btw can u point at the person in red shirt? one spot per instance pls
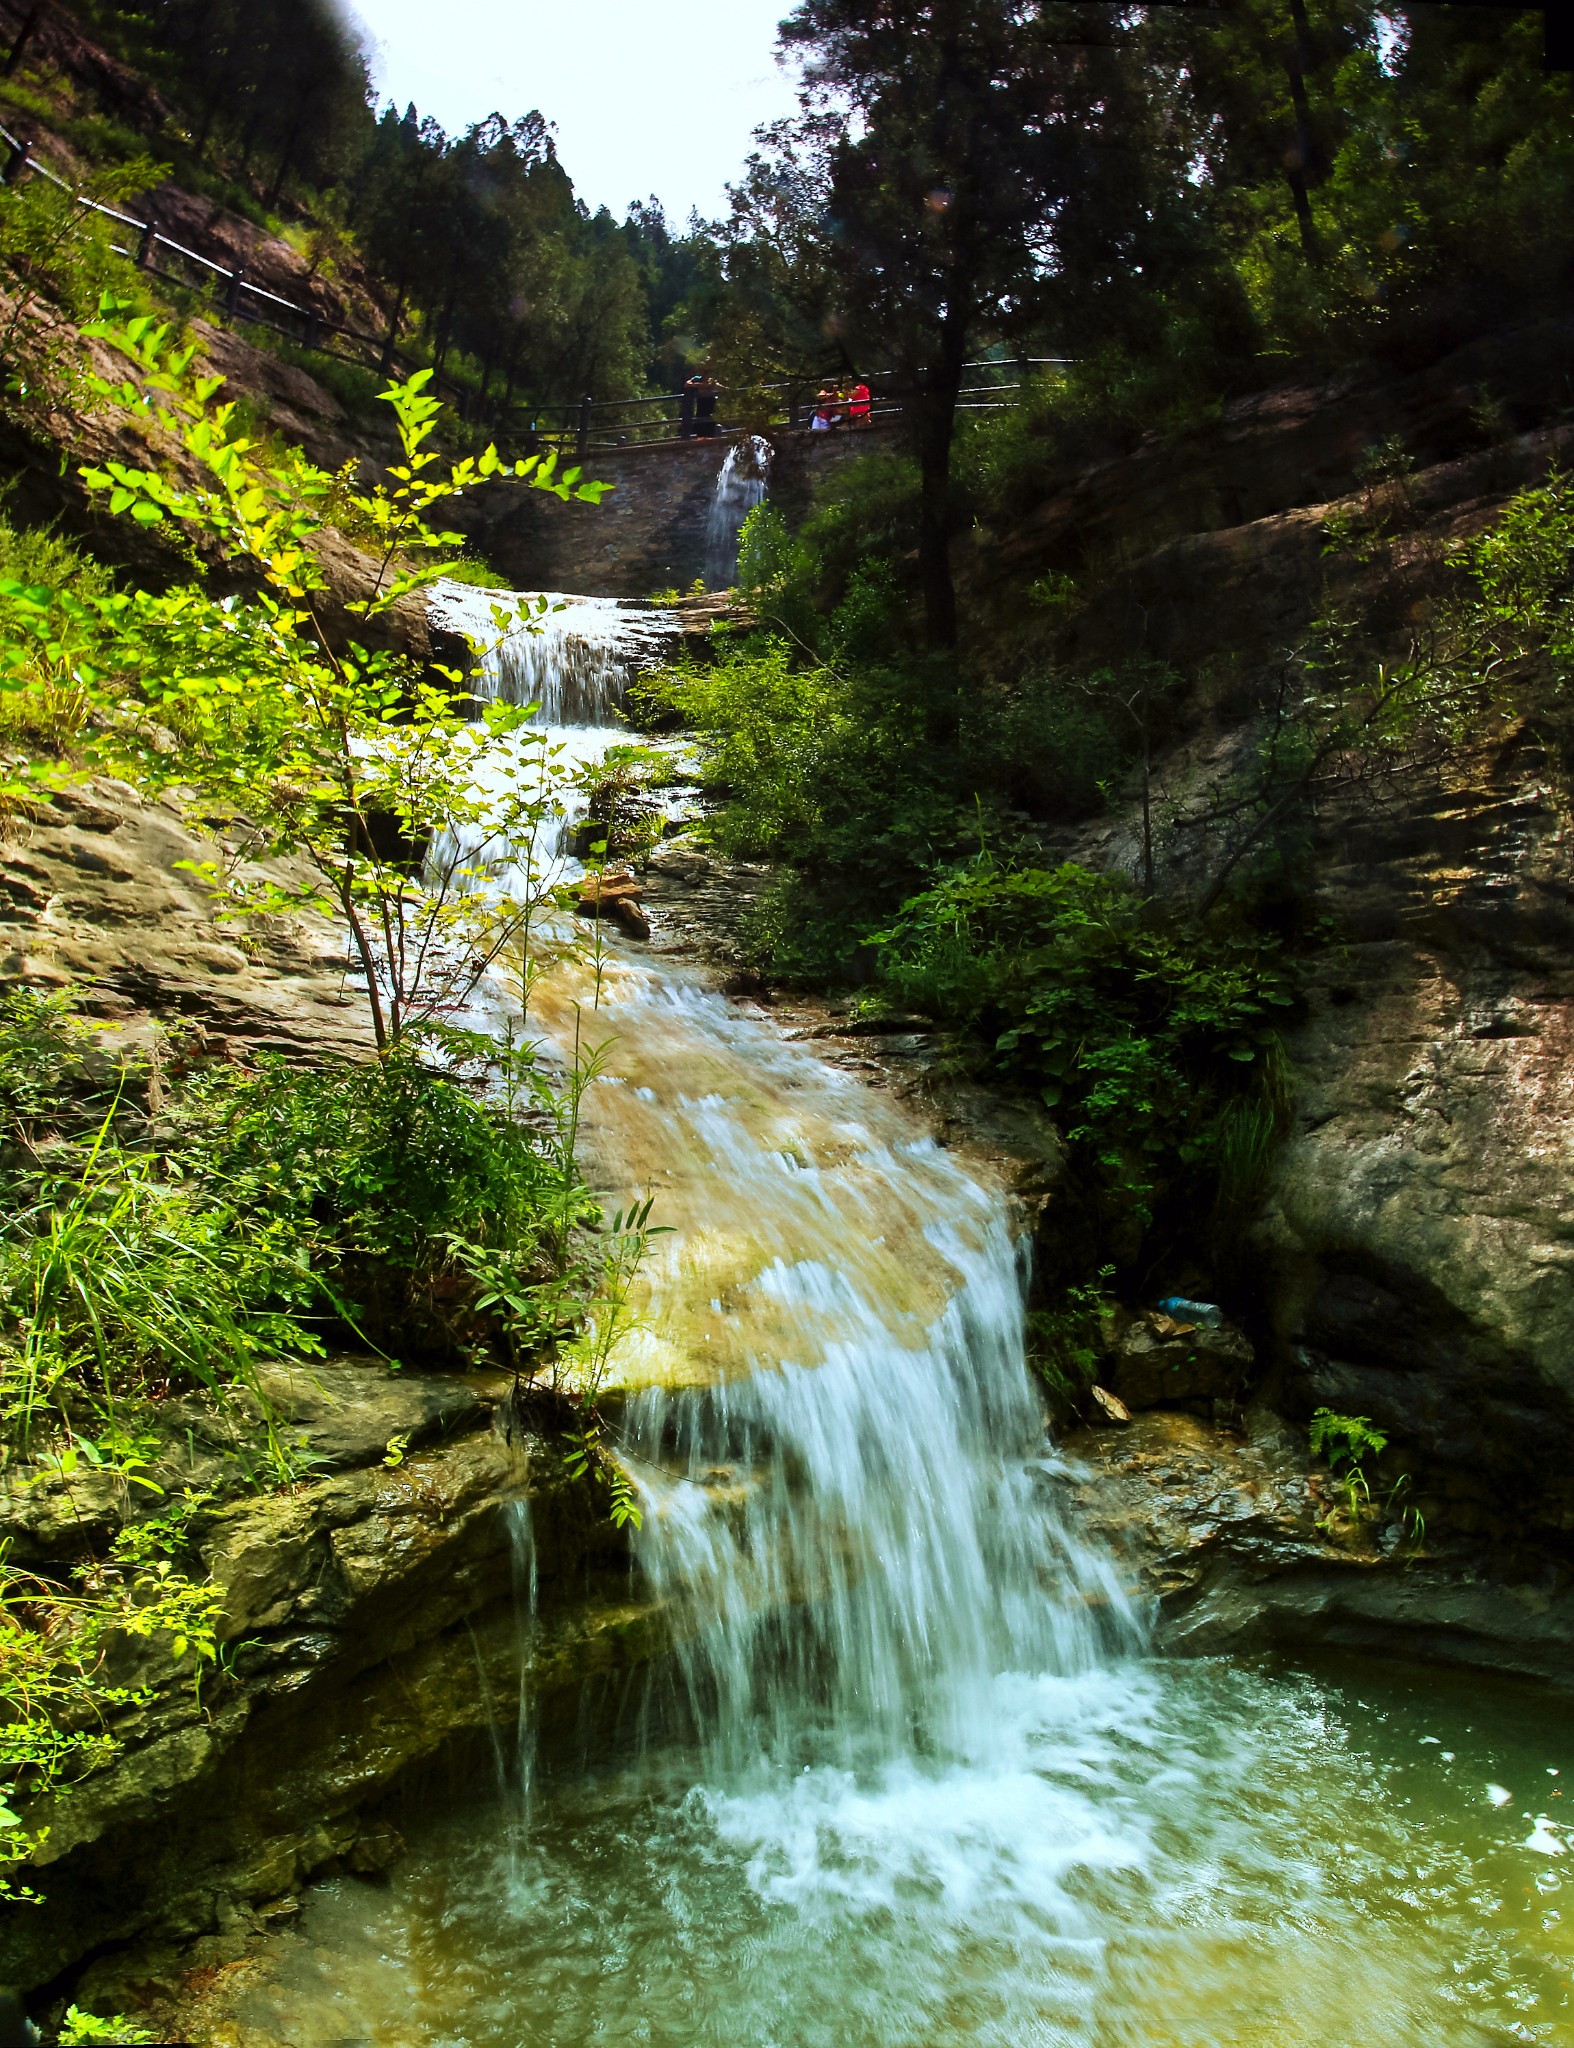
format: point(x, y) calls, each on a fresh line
point(858, 404)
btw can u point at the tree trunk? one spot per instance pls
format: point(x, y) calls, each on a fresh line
point(286, 157)
point(24, 36)
point(1300, 162)
point(936, 429)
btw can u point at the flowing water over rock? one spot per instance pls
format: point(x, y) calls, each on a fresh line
point(909, 1782)
point(740, 486)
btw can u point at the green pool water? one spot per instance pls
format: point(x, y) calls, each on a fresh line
point(1176, 1855)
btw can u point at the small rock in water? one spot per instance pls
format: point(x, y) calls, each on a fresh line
point(1499, 1795)
point(1543, 1838)
point(1110, 1406)
point(616, 898)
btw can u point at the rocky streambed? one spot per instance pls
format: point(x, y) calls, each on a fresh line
point(371, 1625)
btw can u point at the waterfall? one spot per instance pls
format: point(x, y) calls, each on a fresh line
point(571, 655)
point(902, 1780)
point(861, 1532)
point(825, 1402)
point(740, 486)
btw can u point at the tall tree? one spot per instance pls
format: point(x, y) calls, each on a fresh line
point(957, 145)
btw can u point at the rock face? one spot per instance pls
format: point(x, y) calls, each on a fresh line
point(370, 1621)
point(1209, 541)
point(1157, 1362)
point(650, 532)
point(370, 1617)
point(1240, 1544)
point(93, 891)
point(1420, 1237)
point(1415, 1262)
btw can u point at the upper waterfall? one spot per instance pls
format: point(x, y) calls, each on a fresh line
point(740, 486)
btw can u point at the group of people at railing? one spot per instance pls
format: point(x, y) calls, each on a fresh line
point(835, 406)
point(840, 405)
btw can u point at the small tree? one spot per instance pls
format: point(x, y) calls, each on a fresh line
point(356, 769)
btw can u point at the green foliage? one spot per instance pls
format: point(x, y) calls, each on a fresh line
point(55, 251)
point(1136, 1031)
point(770, 726)
point(1520, 579)
point(57, 1708)
point(479, 575)
point(765, 553)
point(435, 1217)
point(1052, 744)
point(118, 1285)
point(345, 762)
point(44, 1053)
point(1065, 1341)
point(587, 1457)
point(83, 2028)
point(1347, 1441)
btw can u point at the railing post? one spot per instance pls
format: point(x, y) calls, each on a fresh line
point(582, 442)
point(313, 328)
point(145, 244)
point(16, 162)
point(792, 406)
point(232, 290)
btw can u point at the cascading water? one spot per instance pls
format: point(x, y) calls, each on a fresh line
point(908, 1782)
point(572, 656)
point(740, 486)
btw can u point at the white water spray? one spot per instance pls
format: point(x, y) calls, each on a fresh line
point(740, 486)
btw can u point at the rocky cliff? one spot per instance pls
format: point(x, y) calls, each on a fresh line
point(1413, 1261)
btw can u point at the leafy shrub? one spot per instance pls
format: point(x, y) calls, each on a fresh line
point(1050, 746)
point(56, 1727)
point(45, 1050)
point(1347, 1441)
point(80, 2029)
point(770, 727)
point(1064, 1342)
point(1138, 1032)
point(392, 1177)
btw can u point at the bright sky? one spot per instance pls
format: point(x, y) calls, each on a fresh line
point(646, 97)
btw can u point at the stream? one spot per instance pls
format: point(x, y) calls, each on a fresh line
point(912, 1779)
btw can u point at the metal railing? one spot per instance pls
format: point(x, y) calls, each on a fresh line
point(604, 425)
point(161, 256)
point(590, 426)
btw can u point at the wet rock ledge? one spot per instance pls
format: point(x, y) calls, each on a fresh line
point(1241, 1543)
point(369, 1621)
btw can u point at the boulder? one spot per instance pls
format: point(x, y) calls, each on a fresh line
point(615, 897)
point(1159, 1363)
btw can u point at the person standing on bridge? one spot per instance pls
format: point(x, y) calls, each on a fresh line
point(686, 402)
point(858, 405)
point(705, 420)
